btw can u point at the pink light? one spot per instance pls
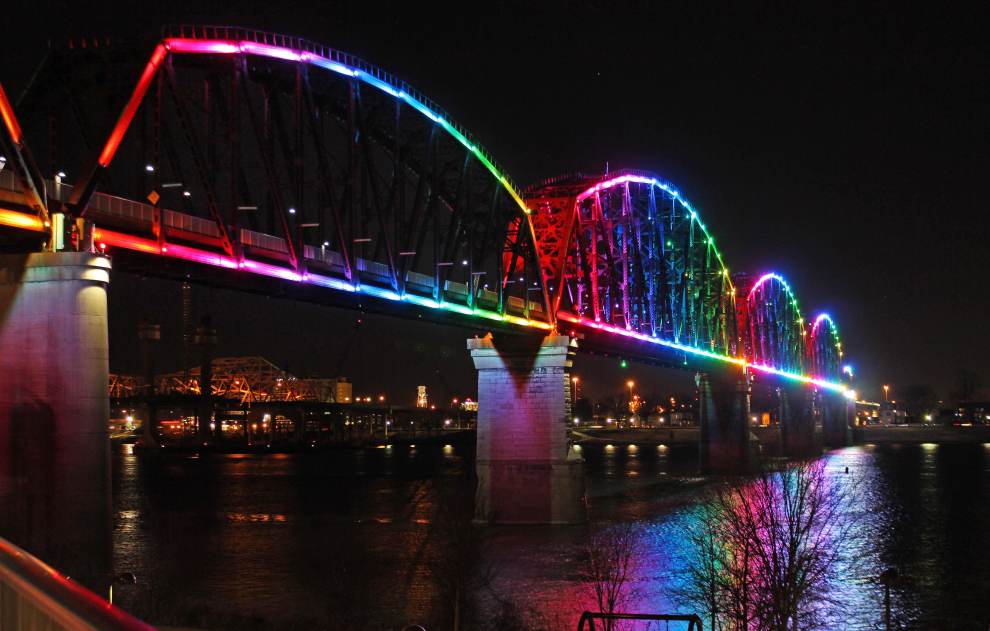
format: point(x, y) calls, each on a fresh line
point(819, 319)
point(180, 45)
point(622, 179)
point(770, 276)
point(126, 116)
point(277, 52)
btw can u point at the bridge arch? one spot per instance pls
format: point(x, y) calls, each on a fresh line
point(771, 325)
point(824, 349)
point(627, 250)
point(351, 170)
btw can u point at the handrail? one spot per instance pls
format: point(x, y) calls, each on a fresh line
point(589, 617)
point(33, 596)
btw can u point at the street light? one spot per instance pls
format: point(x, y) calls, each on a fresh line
point(886, 391)
point(630, 383)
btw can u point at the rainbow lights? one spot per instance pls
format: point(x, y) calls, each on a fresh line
point(667, 188)
point(181, 45)
point(231, 47)
point(699, 352)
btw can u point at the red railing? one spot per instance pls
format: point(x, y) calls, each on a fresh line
point(34, 596)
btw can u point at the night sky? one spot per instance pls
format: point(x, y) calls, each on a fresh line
point(847, 150)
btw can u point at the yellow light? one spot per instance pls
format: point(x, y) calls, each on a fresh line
point(20, 220)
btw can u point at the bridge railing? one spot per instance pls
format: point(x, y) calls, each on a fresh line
point(35, 597)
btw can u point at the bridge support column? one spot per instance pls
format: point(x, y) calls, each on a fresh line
point(527, 470)
point(54, 410)
point(837, 415)
point(800, 429)
point(727, 446)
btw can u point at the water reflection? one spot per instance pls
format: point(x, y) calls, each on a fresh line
point(275, 536)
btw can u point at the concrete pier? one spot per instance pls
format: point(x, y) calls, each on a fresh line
point(726, 444)
point(800, 421)
point(54, 411)
point(528, 473)
point(837, 415)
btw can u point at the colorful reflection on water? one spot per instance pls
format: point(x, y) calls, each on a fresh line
point(279, 538)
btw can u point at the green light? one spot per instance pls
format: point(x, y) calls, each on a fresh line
point(624, 364)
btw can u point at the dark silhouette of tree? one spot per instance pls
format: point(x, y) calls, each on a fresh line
point(609, 564)
point(968, 383)
point(919, 400)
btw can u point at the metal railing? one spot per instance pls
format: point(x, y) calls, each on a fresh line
point(588, 619)
point(35, 597)
point(190, 223)
point(263, 241)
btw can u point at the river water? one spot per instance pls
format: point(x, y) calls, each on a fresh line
point(352, 538)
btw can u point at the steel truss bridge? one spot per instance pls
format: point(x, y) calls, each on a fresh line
point(273, 164)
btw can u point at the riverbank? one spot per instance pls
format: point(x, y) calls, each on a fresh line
point(769, 436)
point(921, 434)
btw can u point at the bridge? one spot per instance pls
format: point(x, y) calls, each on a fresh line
point(275, 165)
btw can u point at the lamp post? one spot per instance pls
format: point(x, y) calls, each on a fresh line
point(886, 392)
point(630, 383)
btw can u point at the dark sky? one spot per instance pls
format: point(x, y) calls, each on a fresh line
point(846, 150)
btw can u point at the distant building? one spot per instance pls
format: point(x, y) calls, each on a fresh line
point(469, 406)
point(890, 414)
point(976, 412)
point(422, 401)
point(343, 390)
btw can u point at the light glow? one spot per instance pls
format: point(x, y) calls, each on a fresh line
point(127, 115)
point(9, 120)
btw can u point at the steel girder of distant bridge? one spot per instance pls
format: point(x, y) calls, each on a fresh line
point(273, 157)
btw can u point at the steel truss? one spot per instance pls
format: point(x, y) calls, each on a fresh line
point(259, 155)
point(625, 251)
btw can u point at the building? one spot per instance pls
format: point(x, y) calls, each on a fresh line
point(343, 390)
point(422, 401)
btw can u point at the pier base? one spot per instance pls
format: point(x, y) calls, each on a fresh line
point(54, 411)
point(727, 446)
point(800, 422)
point(837, 415)
point(528, 473)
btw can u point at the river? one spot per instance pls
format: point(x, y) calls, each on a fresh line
point(351, 538)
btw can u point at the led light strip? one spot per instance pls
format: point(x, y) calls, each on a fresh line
point(738, 361)
point(172, 250)
point(149, 246)
point(667, 188)
point(670, 190)
point(231, 47)
point(832, 328)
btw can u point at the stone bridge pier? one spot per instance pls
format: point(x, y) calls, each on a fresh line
point(528, 473)
point(54, 410)
point(726, 444)
point(837, 415)
point(800, 421)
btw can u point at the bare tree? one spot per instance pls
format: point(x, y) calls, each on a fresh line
point(609, 566)
point(767, 550)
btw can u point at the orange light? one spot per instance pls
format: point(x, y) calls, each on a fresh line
point(20, 220)
point(127, 115)
point(7, 113)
